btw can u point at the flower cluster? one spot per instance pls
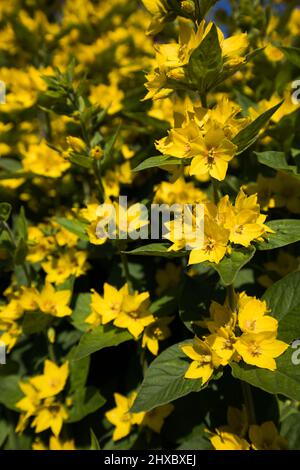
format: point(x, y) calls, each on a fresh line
point(225, 225)
point(244, 333)
point(129, 310)
point(233, 436)
point(41, 403)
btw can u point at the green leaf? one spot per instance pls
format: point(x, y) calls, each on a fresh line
point(79, 371)
point(21, 224)
point(206, 61)
point(10, 392)
point(283, 298)
point(5, 210)
point(156, 249)
point(196, 440)
point(81, 160)
point(4, 431)
point(285, 380)
point(85, 401)
point(10, 165)
point(81, 311)
point(292, 54)
point(21, 252)
point(248, 136)
point(166, 305)
point(290, 429)
point(205, 6)
point(287, 231)
point(277, 161)
point(74, 226)
point(164, 380)
point(99, 338)
point(230, 265)
point(158, 161)
point(109, 147)
point(35, 322)
point(94, 441)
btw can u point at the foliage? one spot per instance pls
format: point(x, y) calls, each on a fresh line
point(123, 342)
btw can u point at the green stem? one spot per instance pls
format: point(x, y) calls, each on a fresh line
point(249, 402)
point(215, 190)
point(203, 99)
point(98, 177)
point(51, 351)
point(126, 272)
point(231, 297)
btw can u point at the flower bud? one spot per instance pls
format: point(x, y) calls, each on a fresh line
point(76, 144)
point(96, 153)
point(188, 6)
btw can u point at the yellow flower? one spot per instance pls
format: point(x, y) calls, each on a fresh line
point(121, 417)
point(54, 444)
point(155, 418)
point(11, 335)
point(243, 219)
point(51, 415)
point(58, 444)
point(260, 349)
point(31, 401)
point(233, 48)
point(252, 317)
point(204, 360)
point(159, 10)
point(228, 441)
point(155, 332)
point(109, 96)
point(220, 316)
point(134, 314)
point(179, 192)
point(214, 245)
point(222, 343)
point(42, 160)
point(76, 144)
point(54, 302)
point(96, 153)
point(212, 154)
point(71, 263)
point(52, 381)
point(266, 437)
point(40, 245)
point(106, 308)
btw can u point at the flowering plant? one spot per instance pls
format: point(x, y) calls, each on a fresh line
point(111, 336)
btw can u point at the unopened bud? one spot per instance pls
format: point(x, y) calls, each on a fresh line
point(76, 144)
point(188, 6)
point(51, 335)
point(96, 153)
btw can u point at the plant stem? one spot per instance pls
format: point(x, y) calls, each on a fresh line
point(215, 190)
point(203, 99)
point(126, 272)
point(98, 177)
point(249, 402)
point(231, 297)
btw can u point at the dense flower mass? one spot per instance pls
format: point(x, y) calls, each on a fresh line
point(110, 317)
